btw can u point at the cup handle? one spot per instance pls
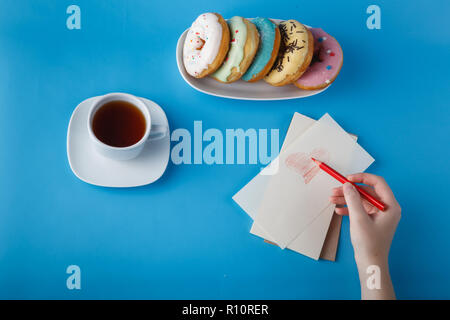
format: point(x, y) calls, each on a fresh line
point(157, 132)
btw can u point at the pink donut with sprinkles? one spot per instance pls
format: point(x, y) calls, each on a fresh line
point(326, 62)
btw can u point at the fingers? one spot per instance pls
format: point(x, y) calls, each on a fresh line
point(338, 192)
point(358, 207)
point(354, 203)
point(341, 211)
point(366, 178)
point(377, 182)
point(338, 200)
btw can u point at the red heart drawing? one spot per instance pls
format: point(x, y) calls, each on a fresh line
point(302, 164)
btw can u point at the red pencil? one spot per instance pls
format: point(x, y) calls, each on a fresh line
point(339, 177)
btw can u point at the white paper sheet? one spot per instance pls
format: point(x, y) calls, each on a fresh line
point(249, 197)
point(309, 242)
point(295, 197)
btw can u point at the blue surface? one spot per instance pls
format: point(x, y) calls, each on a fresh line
point(183, 237)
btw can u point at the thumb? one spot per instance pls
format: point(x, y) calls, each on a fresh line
point(353, 200)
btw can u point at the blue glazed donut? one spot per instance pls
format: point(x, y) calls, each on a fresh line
point(267, 52)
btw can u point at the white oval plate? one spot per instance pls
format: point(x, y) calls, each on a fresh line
point(240, 89)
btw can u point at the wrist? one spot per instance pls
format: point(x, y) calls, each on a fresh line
point(374, 277)
point(364, 260)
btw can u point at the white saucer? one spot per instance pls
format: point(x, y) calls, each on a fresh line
point(91, 167)
point(240, 89)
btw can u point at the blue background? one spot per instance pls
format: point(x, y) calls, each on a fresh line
point(183, 236)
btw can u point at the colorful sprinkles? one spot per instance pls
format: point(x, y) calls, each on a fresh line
point(204, 29)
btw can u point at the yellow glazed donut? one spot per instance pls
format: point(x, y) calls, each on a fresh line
point(243, 47)
point(294, 56)
point(206, 45)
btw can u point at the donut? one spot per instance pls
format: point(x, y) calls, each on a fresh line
point(294, 56)
point(206, 45)
point(326, 63)
point(267, 52)
point(243, 46)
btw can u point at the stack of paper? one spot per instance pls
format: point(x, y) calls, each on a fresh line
point(289, 199)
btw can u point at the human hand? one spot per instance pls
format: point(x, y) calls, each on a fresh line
point(371, 230)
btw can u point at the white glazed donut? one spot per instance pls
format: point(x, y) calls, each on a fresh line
point(206, 45)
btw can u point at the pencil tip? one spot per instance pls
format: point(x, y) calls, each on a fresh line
point(315, 160)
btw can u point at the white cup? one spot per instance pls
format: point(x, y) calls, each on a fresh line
point(152, 131)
